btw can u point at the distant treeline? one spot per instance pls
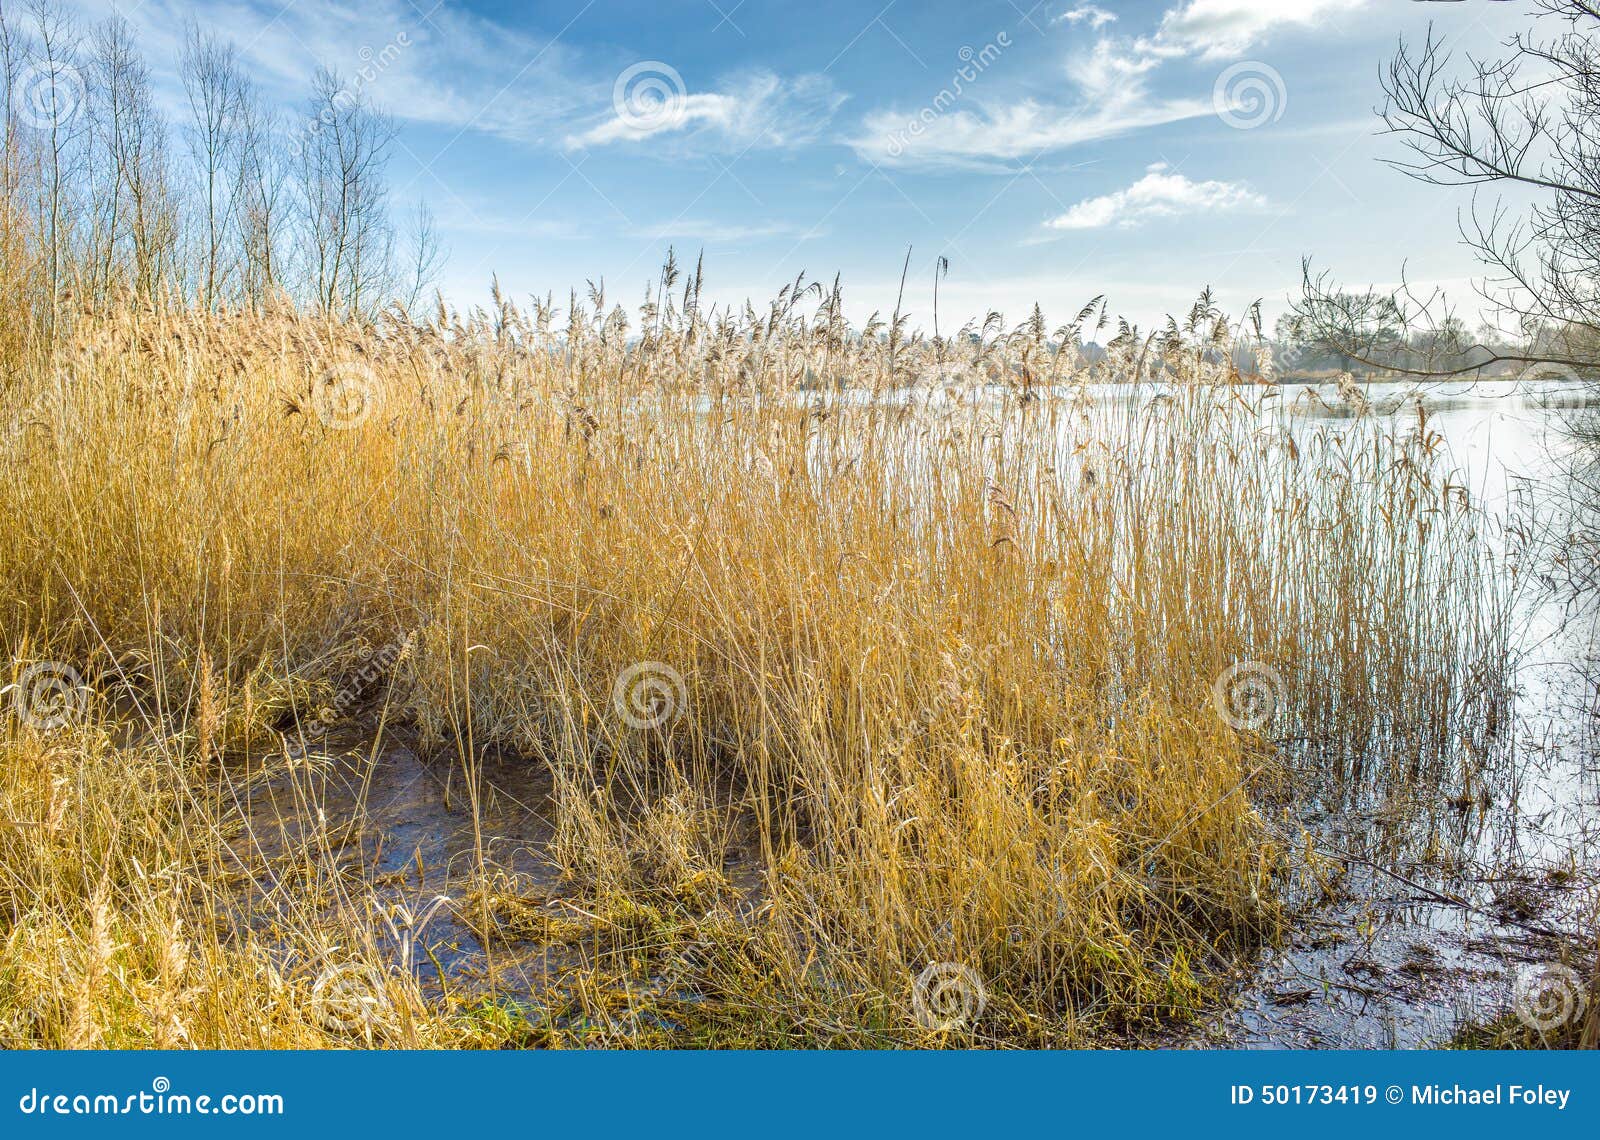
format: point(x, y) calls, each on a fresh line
point(236, 204)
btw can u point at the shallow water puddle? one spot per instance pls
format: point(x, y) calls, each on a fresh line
point(405, 825)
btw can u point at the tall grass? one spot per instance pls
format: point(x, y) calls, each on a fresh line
point(983, 675)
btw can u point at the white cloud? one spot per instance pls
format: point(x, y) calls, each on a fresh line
point(451, 68)
point(1158, 194)
point(1109, 74)
point(1213, 29)
point(1112, 98)
point(755, 108)
point(1086, 13)
point(981, 139)
point(1112, 83)
point(454, 69)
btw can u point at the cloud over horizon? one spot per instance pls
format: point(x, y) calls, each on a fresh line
point(1159, 194)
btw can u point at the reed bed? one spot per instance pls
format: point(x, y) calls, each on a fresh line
point(1006, 692)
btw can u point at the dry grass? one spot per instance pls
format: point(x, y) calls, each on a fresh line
point(947, 663)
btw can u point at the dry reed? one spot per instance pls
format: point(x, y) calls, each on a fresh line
point(935, 633)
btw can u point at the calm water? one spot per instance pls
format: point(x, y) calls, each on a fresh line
point(1391, 964)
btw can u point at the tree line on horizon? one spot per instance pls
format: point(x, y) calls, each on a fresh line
point(235, 203)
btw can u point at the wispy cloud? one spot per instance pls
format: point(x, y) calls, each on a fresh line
point(1086, 14)
point(450, 67)
point(1159, 194)
point(446, 66)
point(1111, 98)
point(978, 140)
point(753, 108)
point(1112, 85)
point(1214, 29)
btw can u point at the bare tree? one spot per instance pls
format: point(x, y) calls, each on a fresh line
point(343, 191)
point(427, 254)
point(212, 82)
point(260, 211)
point(1529, 119)
point(20, 264)
point(134, 216)
point(91, 198)
point(13, 54)
point(55, 92)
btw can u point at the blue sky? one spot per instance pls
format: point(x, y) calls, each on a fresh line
point(1079, 148)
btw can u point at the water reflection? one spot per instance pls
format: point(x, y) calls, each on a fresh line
point(1405, 952)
